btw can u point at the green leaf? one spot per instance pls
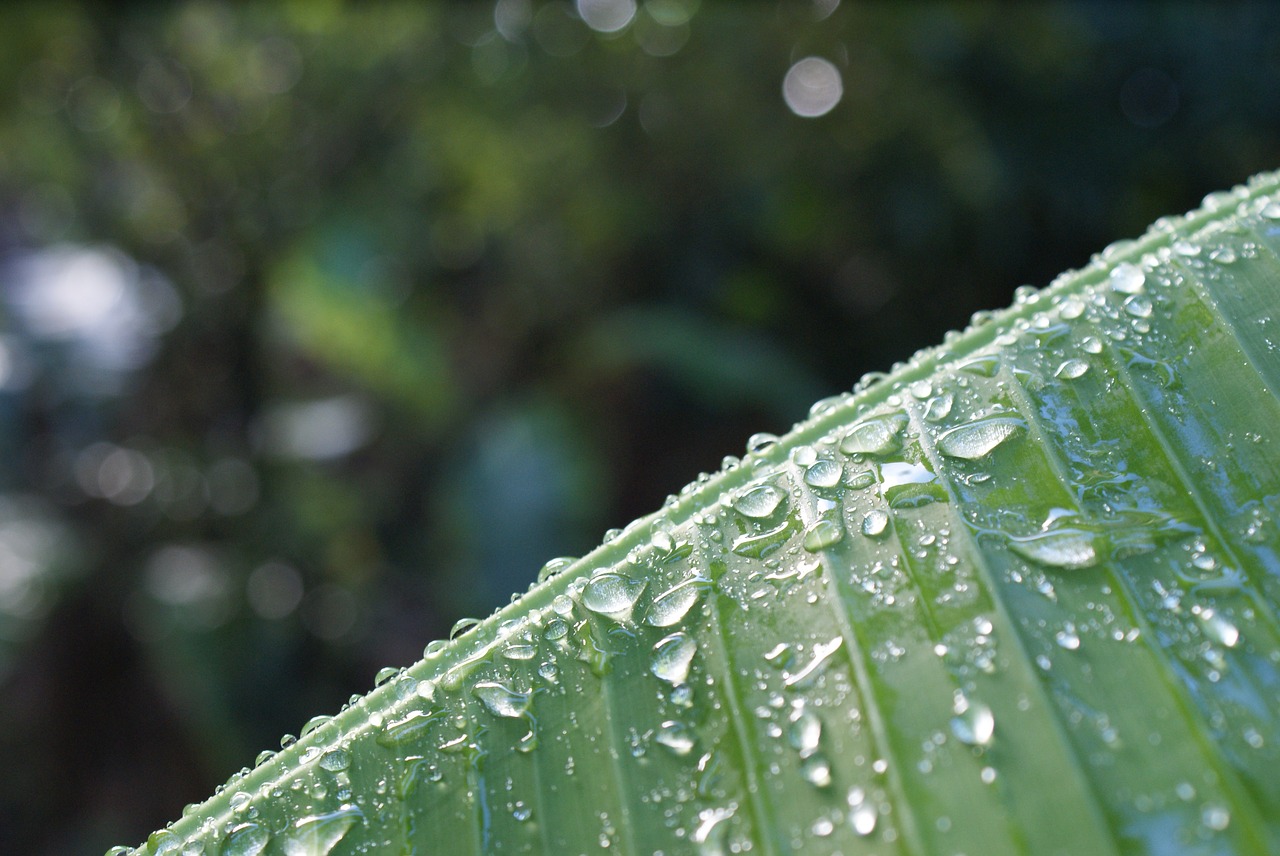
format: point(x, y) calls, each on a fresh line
point(1018, 596)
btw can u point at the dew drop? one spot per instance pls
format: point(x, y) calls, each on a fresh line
point(1138, 306)
point(805, 732)
point(554, 567)
point(673, 604)
point(247, 839)
point(878, 436)
point(822, 535)
point(1271, 211)
point(1072, 369)
point(1127, 278)
point(1215, 817)
point(672, 657)
point(875, 523)
point(501, 700)
point(676, 736)
point(612, 595)
point(816, 770)
point(977, 439)
point(463, 626)
point(823, 472)
point(1219, 628)
point(335, 760)
point(1070, 549)
point(1067, 638)
point(761, 441)
point(862, 814)
point(318, 834)
point(519, 651)
point(758, 502)
point(975, 725)
point(939, 407)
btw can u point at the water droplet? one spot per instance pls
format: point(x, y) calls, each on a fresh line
point(1071, 549)
point(822, 535)
point(761, 441)
point(240, 801)
point(759, 502)
point(823, 472)
point(1223, 256)
point(1067, 638)
point(1215, 817)
point(710, 831)
point(862, 814)
point(519, 651)
point(1138, 306)
point(1186, 248)
point(501, 700)
point(1219, 628)
point(805, 732)
point(939, 407)
point(408, 728)
point(1072, 369)
point(1127, 278)
point(463, 626)
point(554, 567)
point(613, 595)
point(385, 675)
point(318, 834)
point(335, 760)
point(816, 770)
point(974, 724)
point(247, 839)
point(673, 604)
point(878, 436)
point(977, 439)
point(672, 657)
point(1271, 211)
point(676, 736)
point(875, 523)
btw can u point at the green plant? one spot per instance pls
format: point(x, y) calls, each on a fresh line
point(1018, 595)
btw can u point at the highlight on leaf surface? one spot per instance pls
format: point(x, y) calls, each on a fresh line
point(1020, 595)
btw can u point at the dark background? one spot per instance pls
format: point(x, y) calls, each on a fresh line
point(323, 326)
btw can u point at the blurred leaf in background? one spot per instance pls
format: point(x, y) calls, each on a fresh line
point(323, 325)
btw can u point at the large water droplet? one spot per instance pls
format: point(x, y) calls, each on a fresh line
point(672, 657)
point(335, 760)
point(758, 502)
point(613, 595)
point(823, 472)
point(673, 604)
point(1072, 369)
point(875, 523)
point(977, 439)
point(501, 700)
point(1127, 278)
point(805, 732)
point(318, 834)
point(974, 725)
point(247, 839)
point(878, 436)
point(822, 535)
point(1058, 548)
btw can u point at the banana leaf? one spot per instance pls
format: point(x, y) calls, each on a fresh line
point(1018, 595)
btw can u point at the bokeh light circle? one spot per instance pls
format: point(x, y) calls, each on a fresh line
point(812, 87)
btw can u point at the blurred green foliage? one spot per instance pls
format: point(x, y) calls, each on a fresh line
point(426, 294)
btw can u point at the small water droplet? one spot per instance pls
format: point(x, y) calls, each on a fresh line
point(519, 651)
point(1127, 278)
point(862, 814)
point(1186, 249)
point(1067, 638)
point(676, 736)
point(1072, 369)
point(822, 535)
point(1219, 628)
point(612, 595)
point(672, 657)
point(878, 436)
point(759, 502)
point(521, 811)
point(875, 523)
point(978, 439)
point(385, 675)
point(463, 626)
point(673, 604)
point(939, 407)
point(974, 724)
point(1271, 211)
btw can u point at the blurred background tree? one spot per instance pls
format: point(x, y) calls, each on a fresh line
point(323, 325)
